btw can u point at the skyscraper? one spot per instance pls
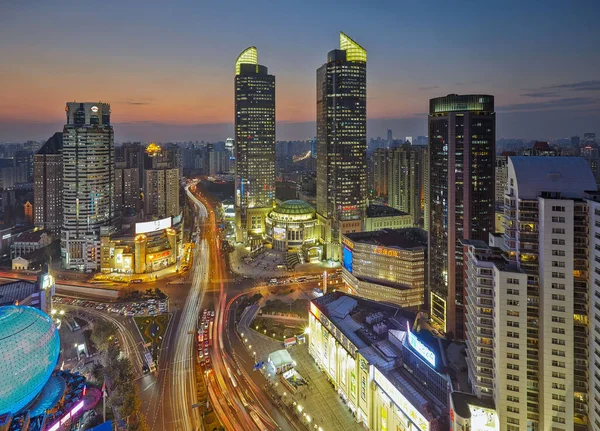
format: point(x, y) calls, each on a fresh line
point(88, 183)
point(341, 144)
point(254, 146)
point(462, 147)
point(48, 185)
point(161, 192)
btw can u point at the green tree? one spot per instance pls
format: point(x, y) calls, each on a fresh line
point(102, 335)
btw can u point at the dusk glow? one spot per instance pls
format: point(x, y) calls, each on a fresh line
point(174, 65)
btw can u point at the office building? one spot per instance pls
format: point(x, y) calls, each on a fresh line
point(462, 141)
point(24, 166)
point(589, 138)
point(88, 183)
point(254, 146)
point(48, 185)
point(527, 301)
point(406, 185)
point(341, 144)
point(387, 265)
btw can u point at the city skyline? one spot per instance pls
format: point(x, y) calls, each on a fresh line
point(156, 82)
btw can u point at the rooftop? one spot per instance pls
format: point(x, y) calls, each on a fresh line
point(379, 333)
point(30, 236)
point(569, 176)
point(53, 145)
point(405, 239)
point(383, 211)
point(293, 207)
point(10, 293)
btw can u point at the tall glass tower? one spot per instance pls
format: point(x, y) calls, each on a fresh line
point(341, 144)
point(88, 183)
point(255, 146)
point(462, 148)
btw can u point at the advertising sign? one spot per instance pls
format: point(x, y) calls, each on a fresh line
point(347, 258)
point(152, 226)
point(424, 351)
point(278, 234)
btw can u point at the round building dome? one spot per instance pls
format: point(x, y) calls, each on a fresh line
point(293, 208)
point(29, 349)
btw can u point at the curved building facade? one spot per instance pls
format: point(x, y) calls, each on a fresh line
point(29, 350)
point(149, 247)
point(292, 225)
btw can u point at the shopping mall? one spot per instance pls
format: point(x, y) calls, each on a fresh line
point(33, 396)
point(391, 374)
point(144, 247)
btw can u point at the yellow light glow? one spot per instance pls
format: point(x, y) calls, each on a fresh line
point(354, 52)
point(248, 56)
point(153, 149)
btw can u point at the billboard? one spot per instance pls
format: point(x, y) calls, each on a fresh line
point(152, 226)
point(278, 234)
point(347, 258)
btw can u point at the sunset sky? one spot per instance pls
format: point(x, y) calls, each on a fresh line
point(166, 67)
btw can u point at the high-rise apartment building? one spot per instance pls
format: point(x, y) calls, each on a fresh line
point(380, 172)
point(341, 144)
point(127, 190)
point(501, 177)
point(405, 181)
point(462, 148)
point(88, 183)
point(161, 193)
point(527, 301)
point(48, 185)
point(254, 146)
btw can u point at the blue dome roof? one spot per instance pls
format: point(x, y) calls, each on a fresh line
point(29, 349)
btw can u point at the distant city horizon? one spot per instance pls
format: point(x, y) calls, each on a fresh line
point(511, 125)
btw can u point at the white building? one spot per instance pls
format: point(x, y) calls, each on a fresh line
point(88, 183)
point(539, 299)
point(27, 242)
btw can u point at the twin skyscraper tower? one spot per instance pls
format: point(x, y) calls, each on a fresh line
point(341, 145)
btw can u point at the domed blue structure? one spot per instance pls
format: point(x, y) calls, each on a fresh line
point(29, 349)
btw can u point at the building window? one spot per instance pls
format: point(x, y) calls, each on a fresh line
point(558, 208)
point(558, 241)
point(558, 230)
point(558, 219)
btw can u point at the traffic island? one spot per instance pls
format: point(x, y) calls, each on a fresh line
point(153, 330)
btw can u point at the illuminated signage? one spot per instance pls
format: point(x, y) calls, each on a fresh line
point(153, 226)
point(425, 352)
point(177, 219)
point(119, 259)
point(348, 243)
point(400, 400)
point(386, 251)
point(483, 419)
point(47, 281)
point(6, 236)
point(278, 234)
point(160, 255)
point(94, 109)
point(127, 262)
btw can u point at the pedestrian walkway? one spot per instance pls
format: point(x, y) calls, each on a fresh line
point(264, 265)
point(319, 402)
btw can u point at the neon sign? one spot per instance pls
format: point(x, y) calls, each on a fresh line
point(425, 352)
point(66, 417)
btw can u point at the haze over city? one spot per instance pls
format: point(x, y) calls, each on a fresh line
point(168, 71)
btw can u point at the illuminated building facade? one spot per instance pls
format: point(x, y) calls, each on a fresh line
point(147, 247)
point(48, 185)
point(389, 377)
point(88, 183)
point(292, 226)
point(341, 144)
point(462, 147)
point(254, 146)
point(387, 265)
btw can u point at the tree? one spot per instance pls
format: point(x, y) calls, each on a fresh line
point(102, 334)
